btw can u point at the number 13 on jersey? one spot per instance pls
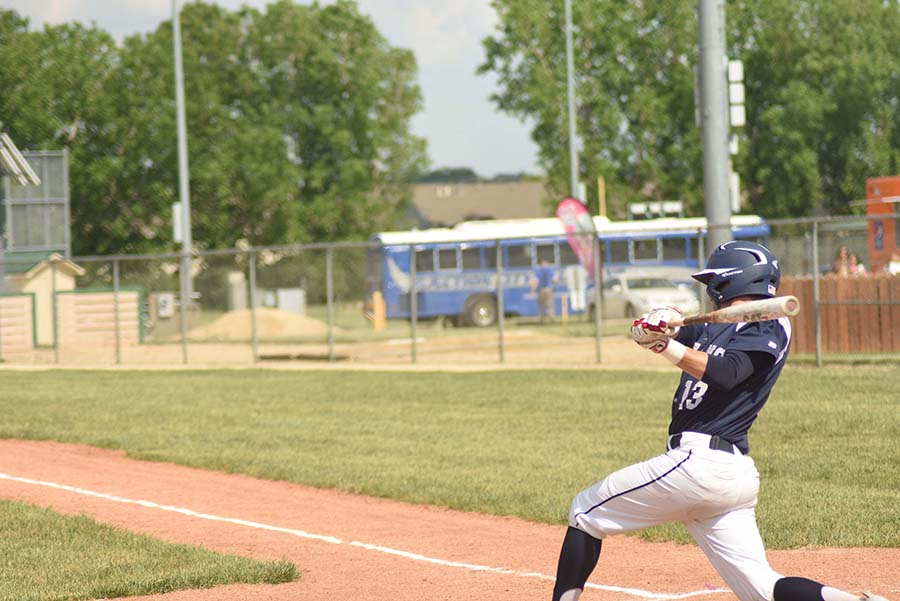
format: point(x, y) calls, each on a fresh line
point(691, 394)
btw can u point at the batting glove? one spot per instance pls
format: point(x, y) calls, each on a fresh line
point(648, 337)
point(652, 331)
point(659, 319)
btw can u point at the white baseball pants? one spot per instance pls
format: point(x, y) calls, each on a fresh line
point(713, 493)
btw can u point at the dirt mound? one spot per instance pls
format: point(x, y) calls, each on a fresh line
point(270, 323)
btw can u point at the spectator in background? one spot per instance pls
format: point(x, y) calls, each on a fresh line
point(544, 279)
point(856, 266)
point(841, 263)
point(893, 266)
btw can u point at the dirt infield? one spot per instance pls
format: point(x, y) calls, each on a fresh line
point(359, 548)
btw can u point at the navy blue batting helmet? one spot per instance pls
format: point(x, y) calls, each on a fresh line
point(740, 269)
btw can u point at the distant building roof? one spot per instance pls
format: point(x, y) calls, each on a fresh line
point(437, 205)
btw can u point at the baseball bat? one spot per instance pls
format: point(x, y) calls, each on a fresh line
point(758, 310)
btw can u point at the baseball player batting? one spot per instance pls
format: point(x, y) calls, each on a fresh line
point(706, 479)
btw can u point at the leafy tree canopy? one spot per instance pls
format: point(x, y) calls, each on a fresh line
point(298, 123)
point(823, 97)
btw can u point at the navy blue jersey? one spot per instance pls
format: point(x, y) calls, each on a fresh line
point(699, 406)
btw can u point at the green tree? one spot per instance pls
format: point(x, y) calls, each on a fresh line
point(51, 80)
point(298, 124)
point(55, 84)
point(822, 96)
point(344, 98)
point(241, 181)
point(634, 93)
point(823, 83)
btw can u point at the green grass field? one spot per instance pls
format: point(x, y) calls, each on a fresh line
point(44, 555)
point(506, 442)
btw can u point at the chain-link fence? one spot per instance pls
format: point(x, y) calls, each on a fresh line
point(848, 287)
point(451, 304)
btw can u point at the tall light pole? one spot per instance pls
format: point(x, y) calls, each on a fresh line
point(184, 194)
point(714, 120)
point(570, 80)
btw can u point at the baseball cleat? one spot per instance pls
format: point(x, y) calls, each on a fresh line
point(867, 596)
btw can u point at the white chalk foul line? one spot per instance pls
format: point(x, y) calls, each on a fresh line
point(336, 541)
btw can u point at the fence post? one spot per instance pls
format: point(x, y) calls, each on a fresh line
point(329, 292)
point(2, 289)
point(818, 309)
point(413, 304)
point(254, 335)
point(182, 295)
point(500, 308)
point(55, 315)
point(598, 300)
point(701, 263)
point(116, 310)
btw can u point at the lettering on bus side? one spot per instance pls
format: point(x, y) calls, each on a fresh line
point(470, 281)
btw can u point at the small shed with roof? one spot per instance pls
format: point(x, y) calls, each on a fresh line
point(41, 273)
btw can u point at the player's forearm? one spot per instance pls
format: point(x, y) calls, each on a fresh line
point(694, 363)
point(688, 360)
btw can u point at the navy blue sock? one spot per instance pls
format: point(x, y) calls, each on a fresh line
point(577, 559)
point(794, 588)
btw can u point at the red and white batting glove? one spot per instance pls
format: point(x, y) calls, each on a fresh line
point(652, 331)
point(646, 336)
point(659, 319)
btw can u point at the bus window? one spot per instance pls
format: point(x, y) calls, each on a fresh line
point(546, 252)
point(567, 256)
point(645, 250)
point(424, 260)
point(490, 257)
point(674, 249)
point(518, 255)
point(447, 258)
point(471, 258)
point(618, 251)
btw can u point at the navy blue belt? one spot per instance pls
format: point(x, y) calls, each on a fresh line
point(715, 442)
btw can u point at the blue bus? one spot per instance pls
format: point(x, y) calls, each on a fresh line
point(456, 268)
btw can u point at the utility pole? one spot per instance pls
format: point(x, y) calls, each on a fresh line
point(570, 81)
point(184, 195)
point(714, 121)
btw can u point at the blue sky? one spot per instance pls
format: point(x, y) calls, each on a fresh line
point(461, 125)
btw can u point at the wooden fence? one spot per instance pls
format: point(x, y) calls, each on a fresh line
point(851, 327)
point(89, 318)
point(16, 323)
